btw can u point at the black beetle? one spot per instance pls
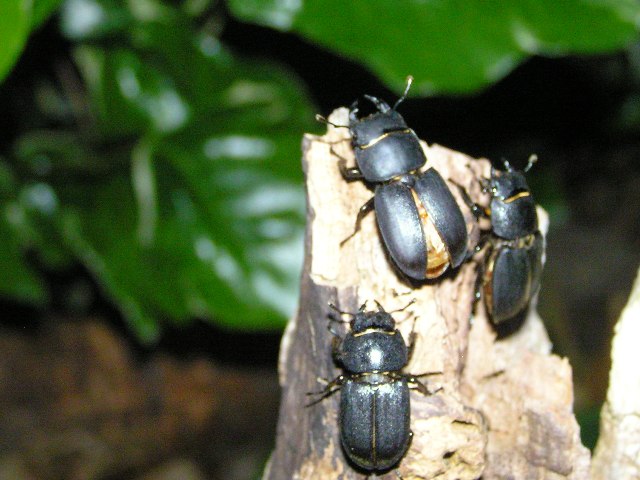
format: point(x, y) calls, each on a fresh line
point(374, 403)
point(421, 224)
point(512, 267)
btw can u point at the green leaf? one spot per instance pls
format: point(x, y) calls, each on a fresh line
point(95, 19)
point(210, 222)
point(15, 24)
point(42, 10)
point(449, 45)
point(184, 195)
point(17, 19)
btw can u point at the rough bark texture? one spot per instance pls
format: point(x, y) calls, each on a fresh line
point(504, 409)
point(617, 454)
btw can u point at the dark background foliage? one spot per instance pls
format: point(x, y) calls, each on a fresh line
point(149, 154)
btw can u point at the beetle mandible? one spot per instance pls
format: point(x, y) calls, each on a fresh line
point(421, 224)
point(375, 411)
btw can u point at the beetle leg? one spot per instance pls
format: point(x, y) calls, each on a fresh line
point(412, 342)
point(485, 236)
point(411, 302)
point(353, 112)
point(332, 330)
point(477, 292)
point(335, 142)
point(337, 310)
point(335, 349)
point(421, 387)
point(478, 286)
point(348, 173)
point(485, 185)
point(332, 318)
point(364, 209)
point(477, 210)
point(416, 384)
point(332, 387)
point(321, 119)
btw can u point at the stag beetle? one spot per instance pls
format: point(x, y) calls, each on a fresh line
point(374, 402)
point(510, 275)
point(421, 224)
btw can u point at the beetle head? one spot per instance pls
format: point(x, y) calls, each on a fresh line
point(371, 126)
point(384, 119)
point(508, 185)
point(377, 320)
point(513, 210)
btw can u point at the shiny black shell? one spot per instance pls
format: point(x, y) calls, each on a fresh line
point(384, 146)
point(374, 401)
point(389, 155)
point(512, 277)
point(374, 351)
point(512, 214)
point(398, 217)
point(374, 420)
point(513, 266)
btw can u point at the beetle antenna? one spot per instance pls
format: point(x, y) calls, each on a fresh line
point(507, 165)
point(322, 119)
point(532, 160)
point(413, 300)
point(340, 312)
point(404, 94)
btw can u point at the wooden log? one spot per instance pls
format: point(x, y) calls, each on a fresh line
point(504, 409)
point(617, 454)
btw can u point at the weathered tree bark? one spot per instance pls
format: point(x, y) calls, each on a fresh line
point(504, 409)
point(617, 454)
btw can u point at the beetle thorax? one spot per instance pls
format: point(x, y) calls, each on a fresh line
point(374, 350)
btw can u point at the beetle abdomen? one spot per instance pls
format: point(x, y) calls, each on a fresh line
point(422, 226)
point(444, 213)
point(401, 228)
point(512, 277)
point(375, 429)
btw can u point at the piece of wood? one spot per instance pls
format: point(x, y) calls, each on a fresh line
point(617, 454)
point(504, 409)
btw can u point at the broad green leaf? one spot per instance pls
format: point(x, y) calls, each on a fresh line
point(94, 19)
point(184, 195)
point(15, 24)
point(449, 45)
point(42, 10)
point(17, 19)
